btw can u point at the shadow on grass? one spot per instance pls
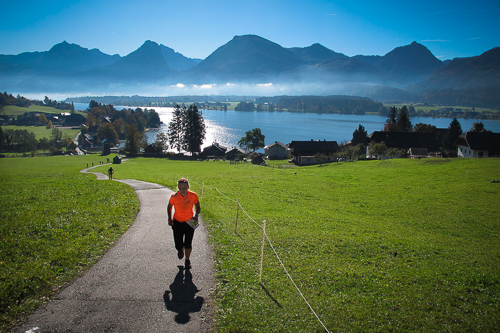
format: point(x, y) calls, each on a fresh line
point(271, 296)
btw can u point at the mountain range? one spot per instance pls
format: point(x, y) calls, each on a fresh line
point(406, 73)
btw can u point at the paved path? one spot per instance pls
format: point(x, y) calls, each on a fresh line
point(139, 285)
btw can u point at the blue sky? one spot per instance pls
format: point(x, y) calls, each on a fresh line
point(196, 28)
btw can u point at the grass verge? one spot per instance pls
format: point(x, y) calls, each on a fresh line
point(55, 224)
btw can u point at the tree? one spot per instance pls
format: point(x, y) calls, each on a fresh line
point(56, 137)
point(245, 106)
point(377, 149)
point(119, 125)
point(44, 144)
point(2, 139)
point(133, 140)
point(153, 119)
point(390, 123)
point(395, 152)
point(403, 122)
point(320, 157)
point(451, 135)
point(107, 131)
point(359, 135)
point(194, 132)
point(252, 140)
point(90, 120)
point(478, 127)
point(161, 141)
point(42, 119)
point(424, 128)
point(175, 131)
point(352, 152)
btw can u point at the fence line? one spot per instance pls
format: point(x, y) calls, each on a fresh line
point(264, 234)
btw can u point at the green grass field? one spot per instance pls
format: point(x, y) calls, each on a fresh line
point(397, 245)
point(55, 223)
point(427, 109)
point(13, 110)
point(43, 131)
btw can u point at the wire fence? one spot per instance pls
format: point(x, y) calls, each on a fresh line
point(264, 237)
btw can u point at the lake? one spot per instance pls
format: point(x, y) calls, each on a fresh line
point(228, 127)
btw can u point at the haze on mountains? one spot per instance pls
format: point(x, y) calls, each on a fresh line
point(252, 65)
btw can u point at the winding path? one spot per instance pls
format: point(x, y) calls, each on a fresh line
point(139, 285)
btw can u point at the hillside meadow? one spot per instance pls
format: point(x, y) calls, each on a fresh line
point(13, 110)
point(396, 245)
point(43, 131)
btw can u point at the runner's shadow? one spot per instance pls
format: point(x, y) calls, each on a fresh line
point(181, 298)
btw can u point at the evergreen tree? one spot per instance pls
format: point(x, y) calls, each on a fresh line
point(359, 136)
point(403, 122)
point(194, 132)
point(133, 140)
point(390, 123)
point(176, 128)
point(451, 135)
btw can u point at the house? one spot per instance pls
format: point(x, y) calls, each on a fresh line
point(477, 145)
point(215, 150)
point(86, 141)
point(276, 150)
point(418, 153)
point(74, 119)
point(153, 149)
point(258, 159)
point(304, 152)
point(232, 154)
point(406, 141)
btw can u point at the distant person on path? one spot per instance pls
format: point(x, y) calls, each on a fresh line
point(110, 173)
point(182, 202)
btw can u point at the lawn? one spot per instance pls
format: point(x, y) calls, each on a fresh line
point(397, 245)
point(43, 131)
point(55, 223)
point(427, 109)
point(13, 110)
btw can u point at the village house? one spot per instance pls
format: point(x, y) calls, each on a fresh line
point(411, 142)
point(477, 145)
point(214, 150)
point(232, 154)
point(74, 119)
point(304, 152)
point(417, 153)
point(276, 150)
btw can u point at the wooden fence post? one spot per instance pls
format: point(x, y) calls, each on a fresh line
point(262, 250)
point(237, 211)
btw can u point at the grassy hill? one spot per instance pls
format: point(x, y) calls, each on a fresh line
point(13, 110)
point(42, 131)
point(396, 245)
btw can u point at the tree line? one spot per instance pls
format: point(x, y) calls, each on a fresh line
point(399, 120)
point(322, 104)
point(24, 141)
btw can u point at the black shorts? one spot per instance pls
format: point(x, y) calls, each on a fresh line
point(183, 235)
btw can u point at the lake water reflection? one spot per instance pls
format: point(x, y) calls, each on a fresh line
point(227, 127)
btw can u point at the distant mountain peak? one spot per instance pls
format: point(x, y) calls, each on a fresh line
point(413, 60)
